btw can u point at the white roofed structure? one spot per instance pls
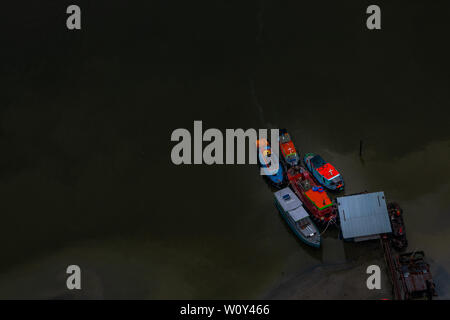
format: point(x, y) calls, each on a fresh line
point(291, 204)
point(363, 216)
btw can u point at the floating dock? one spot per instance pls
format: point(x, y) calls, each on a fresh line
point(363, 216)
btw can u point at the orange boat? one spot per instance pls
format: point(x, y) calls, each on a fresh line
point(288, 151)
point(314, 197)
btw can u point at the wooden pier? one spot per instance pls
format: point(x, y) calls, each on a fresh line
point(396, 289)
point(410, 275)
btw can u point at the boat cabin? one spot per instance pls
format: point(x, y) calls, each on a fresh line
point(288, 149)
point(296, 216)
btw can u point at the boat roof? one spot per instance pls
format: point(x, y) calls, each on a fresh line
point(317, 161)
point(287, 199)
point(291, 204)
point(328, 171)
point(284, 136)
point(298, 214)
point(288, 148)
point(320, 199)
point(265, 159)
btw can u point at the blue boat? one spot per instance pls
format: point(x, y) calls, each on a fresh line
point(266, 159)
point(324, 172)
point(291, 209)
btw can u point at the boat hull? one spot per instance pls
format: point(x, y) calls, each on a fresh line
point(319, 178)
point(287, 149)
point(277, 179)
point(398, 236)
point(275, 175)
point(292, 227)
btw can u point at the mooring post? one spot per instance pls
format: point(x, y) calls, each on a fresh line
point(360, 147)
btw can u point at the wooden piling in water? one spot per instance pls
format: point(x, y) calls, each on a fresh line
point(360, 147)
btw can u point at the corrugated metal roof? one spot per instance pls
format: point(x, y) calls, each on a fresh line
point(363, 215)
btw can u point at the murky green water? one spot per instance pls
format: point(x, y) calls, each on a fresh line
point(85, 172)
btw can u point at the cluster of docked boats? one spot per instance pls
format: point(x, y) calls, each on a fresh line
point(303, 202)
point(301, 197)
point(302, 186)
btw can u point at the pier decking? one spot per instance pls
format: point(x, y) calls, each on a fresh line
point(410, 275)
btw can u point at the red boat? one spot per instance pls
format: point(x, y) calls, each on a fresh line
point(398, 237)
point(414, 276)
point(314, 197)
point(410, 274)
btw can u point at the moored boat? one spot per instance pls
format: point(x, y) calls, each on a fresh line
point(398, 236)
point(291, 209)
point(324, 172)
point(314, 197)
point(267, 158)
point(414, 277)
point(288, 151)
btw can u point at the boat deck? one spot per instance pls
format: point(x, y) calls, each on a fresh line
point(410, 275)
point(320, 199)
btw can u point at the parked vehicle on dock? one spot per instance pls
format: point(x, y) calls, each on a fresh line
point(313, 196)
point(293, 212)
point(266, 158)
point(325, 173)
point(288, 151)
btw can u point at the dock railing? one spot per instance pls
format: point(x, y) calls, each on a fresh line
point(397, 290)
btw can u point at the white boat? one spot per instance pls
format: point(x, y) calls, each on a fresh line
point(293, 212)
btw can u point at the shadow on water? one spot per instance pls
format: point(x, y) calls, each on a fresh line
point(312, 252)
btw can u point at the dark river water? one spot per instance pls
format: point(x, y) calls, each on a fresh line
point(86, 119)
